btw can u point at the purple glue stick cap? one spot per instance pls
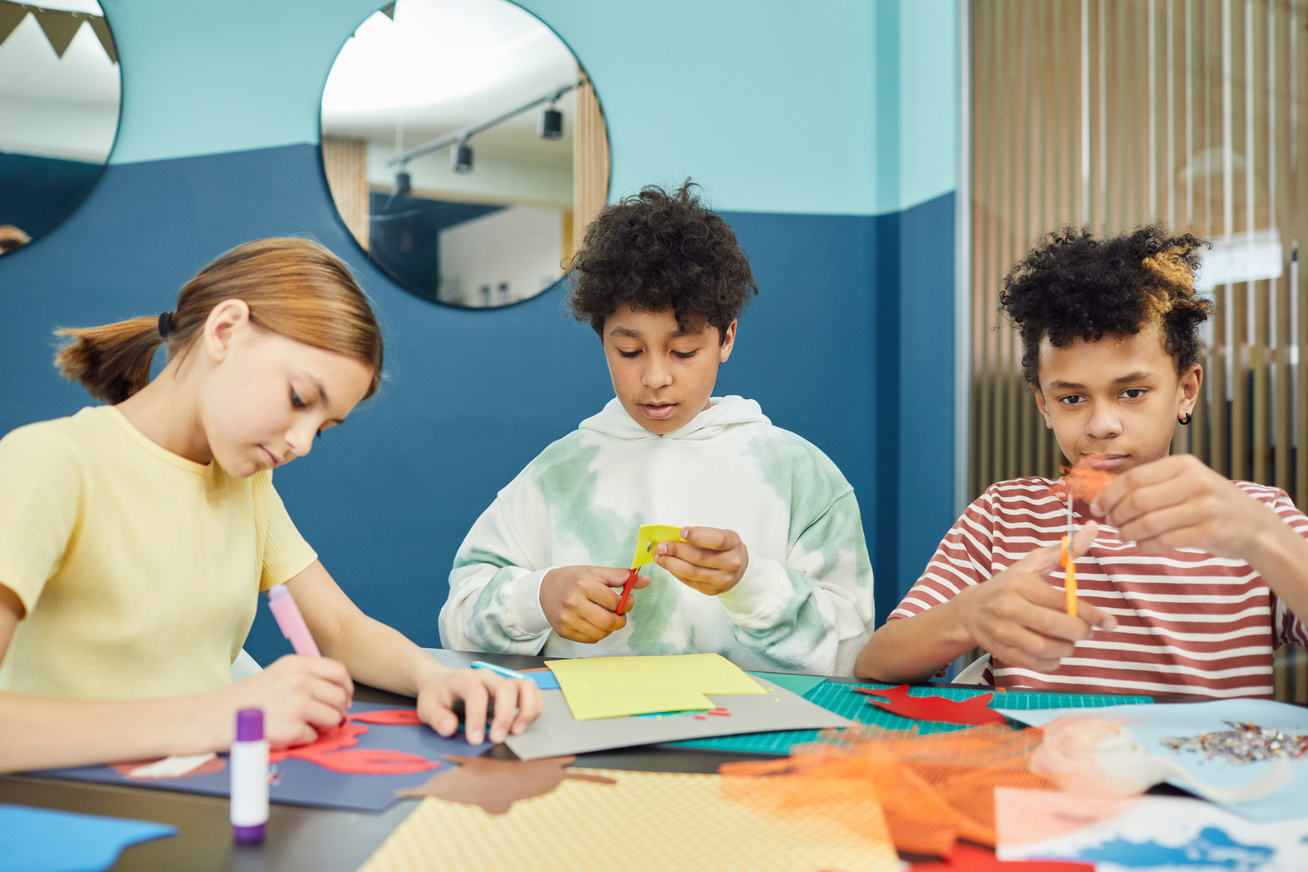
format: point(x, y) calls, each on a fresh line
point(249, 725)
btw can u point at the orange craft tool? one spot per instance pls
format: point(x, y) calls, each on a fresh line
point(1069, 565)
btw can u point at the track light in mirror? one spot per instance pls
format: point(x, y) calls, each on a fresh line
point(461, 158)
point(551, 123)
point(403, 184)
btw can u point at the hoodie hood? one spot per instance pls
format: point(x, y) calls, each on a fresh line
point(723, 412)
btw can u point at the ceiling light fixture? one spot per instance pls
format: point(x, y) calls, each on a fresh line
point(461, 158)
point(461, 155)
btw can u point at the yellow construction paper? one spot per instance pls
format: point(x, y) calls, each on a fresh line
point(646, 822)
point(614, 687)
point(649, 536)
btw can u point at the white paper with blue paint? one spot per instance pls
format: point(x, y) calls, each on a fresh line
point(1150, 724)
point(1160, 833)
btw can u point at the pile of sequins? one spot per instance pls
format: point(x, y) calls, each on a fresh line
point(1243, 743)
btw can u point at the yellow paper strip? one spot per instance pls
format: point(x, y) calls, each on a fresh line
point(649, 536)
point(613, 687)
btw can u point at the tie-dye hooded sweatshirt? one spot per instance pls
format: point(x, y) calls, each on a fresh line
point(804, 603)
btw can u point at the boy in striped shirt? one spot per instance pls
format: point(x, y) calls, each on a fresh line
point(1187, 582)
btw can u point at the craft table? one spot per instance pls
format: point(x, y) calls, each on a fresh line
point(298, 838)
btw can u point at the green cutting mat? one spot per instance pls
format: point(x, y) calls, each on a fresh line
point(839, 697)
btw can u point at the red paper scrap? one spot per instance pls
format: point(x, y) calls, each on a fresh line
point(973, 858)
point(388, 717)
point(938, 709)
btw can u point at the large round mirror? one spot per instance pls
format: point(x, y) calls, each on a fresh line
point(59, 98)
point(465, 149)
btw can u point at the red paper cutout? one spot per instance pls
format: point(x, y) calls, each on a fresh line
point(328, 750)
point(973, 858)
point(974, 711)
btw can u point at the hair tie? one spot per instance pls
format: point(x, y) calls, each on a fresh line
point(165, 324)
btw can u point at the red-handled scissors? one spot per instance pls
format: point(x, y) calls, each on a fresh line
point(626, 589)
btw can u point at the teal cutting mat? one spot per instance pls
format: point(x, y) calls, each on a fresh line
point(839, 697)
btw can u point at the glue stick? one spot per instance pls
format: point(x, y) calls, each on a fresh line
point(249, 764)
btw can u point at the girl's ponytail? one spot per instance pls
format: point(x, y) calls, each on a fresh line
point(113, 361)
point(294, 287)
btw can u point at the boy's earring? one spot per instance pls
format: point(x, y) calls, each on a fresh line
point(1186, 420)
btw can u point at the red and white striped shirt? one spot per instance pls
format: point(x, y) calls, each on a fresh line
point(1187, 621)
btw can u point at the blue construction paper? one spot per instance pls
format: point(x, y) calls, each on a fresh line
point(545, 679)
point(1150, 724)
point(42, 840)
point(299, 782)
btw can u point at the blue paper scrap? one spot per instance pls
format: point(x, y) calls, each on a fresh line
point(43, 840)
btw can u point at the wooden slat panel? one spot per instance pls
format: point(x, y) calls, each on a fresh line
point(344, 162)
point(590, 163)
point(1158, 148)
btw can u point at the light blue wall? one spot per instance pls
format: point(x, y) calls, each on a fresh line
point(774, 105)
point(821, 128)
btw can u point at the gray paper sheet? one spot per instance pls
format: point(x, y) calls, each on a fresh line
point(557, 732)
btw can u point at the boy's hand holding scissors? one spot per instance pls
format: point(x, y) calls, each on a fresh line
point(1021, 619)
point(580, 601)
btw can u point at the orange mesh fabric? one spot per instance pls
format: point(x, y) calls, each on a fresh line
point(935, 789)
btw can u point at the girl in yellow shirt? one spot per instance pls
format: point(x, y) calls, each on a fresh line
point(134, 537)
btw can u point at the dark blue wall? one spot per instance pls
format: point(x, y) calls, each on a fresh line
point(849, 344)
point(37, 192)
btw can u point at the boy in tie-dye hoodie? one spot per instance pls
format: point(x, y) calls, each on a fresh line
point(773, 572)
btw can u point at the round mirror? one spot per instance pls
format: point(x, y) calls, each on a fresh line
point(59, 98)
point(465, 149)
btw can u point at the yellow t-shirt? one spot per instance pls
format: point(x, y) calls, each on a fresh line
point(139, 569)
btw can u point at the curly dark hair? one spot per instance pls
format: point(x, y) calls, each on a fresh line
point(655, 251)
point(1075, 286)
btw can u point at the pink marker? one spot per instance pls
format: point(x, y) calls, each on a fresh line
point(291, 621)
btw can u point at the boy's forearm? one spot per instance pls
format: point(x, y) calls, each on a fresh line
point(789, 618)
point(909, 650)
point(495, 607)
point(1280, 556)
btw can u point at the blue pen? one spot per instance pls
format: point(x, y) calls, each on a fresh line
point(500, 670)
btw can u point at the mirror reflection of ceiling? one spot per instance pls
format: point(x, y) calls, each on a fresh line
point(60, 93)
point(440, 153)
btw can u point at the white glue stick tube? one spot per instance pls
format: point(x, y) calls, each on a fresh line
point(249, 765)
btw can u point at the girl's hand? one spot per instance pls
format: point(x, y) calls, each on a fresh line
point(513, 704)
point(299, 696)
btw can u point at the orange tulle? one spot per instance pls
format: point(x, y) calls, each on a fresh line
point(935, 789)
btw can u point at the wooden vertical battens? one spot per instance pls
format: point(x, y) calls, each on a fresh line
point(590, 162)
point(345, 163)
point(1196, 116)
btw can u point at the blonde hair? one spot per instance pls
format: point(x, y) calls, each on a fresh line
point(294, 287)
